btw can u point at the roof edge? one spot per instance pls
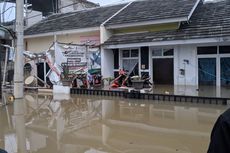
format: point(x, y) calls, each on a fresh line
point(167, 43)
point(74, 31)
point(119, 11)
point(161, 21)
point(193, 9)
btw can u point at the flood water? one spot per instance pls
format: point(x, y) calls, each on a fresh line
point(81, 124)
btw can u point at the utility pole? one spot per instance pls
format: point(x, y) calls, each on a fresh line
point(19, 60)
point(26, 18)
point(0, 75)
point(0, 61)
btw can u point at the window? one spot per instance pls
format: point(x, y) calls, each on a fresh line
point(207, 50)
point(224, 49)
point(130, 53)
point(131, 60)
point(167, 52)
point(157, 52)
point(134, 52)
point(125, 53)
point(162, 52)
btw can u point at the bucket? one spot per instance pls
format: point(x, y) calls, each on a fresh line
point(30, 81)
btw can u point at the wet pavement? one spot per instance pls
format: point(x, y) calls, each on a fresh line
point(89, 124)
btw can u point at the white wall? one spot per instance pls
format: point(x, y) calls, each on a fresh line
point(107, 63)
point(64, 3)
point(34, 17)
point(39, 44)
point(181, 53)
point(104, 34)
point(107, 60)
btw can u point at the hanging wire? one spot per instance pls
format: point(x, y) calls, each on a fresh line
point(7, 10)
point(210, 74)
point(9, 31)
point(10, 13)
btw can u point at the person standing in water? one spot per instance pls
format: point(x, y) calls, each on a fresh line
point(220, 136)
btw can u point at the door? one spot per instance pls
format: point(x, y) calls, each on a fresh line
point(163, 71)
point(225, 71)
point(207, 71)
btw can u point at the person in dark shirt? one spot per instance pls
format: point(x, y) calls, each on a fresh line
point(2, 151)
point(220, 136)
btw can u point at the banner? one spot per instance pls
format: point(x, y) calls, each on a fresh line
point(75, 58)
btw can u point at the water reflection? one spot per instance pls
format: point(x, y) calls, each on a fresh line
point(48, 124)
point(203, 91)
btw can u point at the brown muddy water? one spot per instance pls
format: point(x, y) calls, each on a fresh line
point(81, 124)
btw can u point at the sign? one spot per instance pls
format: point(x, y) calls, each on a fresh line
point(93, 40)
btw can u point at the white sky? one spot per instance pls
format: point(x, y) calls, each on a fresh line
point(10, 14)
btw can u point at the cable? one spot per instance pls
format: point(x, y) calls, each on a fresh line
point(210, 74)
point(9, 14)
point(9, 31)
point(4, 8)
point(7, 10)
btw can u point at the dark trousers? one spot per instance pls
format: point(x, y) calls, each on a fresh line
point(2, 151)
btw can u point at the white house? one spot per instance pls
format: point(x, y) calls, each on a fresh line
point(177, 42)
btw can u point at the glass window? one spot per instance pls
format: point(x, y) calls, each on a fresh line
point(134, 52)
point(206, 50)
point(157, 52)
point(167, 52)
point(224, 49)
point(128, 64)
point(125, 53)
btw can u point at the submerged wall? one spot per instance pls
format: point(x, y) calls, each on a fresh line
point(185, 59)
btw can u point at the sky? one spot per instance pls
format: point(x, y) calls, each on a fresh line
point(10, 14)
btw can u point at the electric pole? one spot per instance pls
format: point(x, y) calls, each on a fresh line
point(0, 61)
point(19, 60)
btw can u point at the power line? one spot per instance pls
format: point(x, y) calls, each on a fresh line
point(9, 31)
point(10, 13)
point(7, 10)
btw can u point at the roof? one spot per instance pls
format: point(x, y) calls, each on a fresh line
point(151, 10)
point(210, 20)
point(74, 20)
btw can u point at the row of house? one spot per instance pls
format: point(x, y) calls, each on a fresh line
point(177, 42)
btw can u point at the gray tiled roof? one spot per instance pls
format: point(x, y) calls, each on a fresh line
point(210, 20)
point(74, 20)
point(150, 10)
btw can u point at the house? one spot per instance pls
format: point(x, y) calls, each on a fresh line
point(78, 27)
point(70, 5)
point(175, 42)
point(73, 27)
